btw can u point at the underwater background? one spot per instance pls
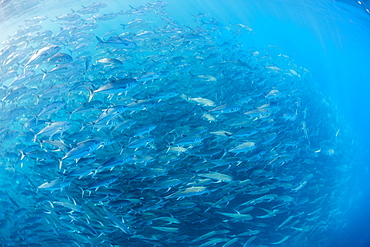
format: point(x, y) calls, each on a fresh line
point(196, 123)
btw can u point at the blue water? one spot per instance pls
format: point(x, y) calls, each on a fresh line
point(328, 38)
point(331, 39)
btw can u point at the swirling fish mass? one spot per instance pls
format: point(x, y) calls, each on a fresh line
point(158, 133)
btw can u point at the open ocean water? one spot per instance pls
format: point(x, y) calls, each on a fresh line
point(187, 123)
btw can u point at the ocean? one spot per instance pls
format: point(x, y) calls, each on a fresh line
point(188, 123)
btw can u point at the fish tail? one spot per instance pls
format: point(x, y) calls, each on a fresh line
point(183, 96)
point(45, 73)
point(100, 42)
point(22, 154)
point(91, 93)
point(37, 99)
point(70, 115)
point(60, 164)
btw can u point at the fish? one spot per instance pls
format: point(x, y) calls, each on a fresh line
point(60, 58)
point(109, 114)
point(68, 17)
point(57, 184)
point(226, 108)
point(244, 147)
point(132, 127)
point(72, 206)
point(118, 42)
point(282, 240)
point(217, 176)
point(82, 149)
point(42, 55)
point(189, 192)
point(237, 216)
point(209, 234)
point(50, 109)
point(101, 182)
point(145, 129)
point(115, 161)
point(117, 223)
point(54, 128)
point(167, 184)
point(200, 101)
point(115, 87)
point(22, 78)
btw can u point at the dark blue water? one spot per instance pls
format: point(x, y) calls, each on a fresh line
point(330, 39)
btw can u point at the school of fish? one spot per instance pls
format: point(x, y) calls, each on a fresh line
point(160, 134)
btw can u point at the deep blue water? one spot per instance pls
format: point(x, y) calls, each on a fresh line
point(329, 38)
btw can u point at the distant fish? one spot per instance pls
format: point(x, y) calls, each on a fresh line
point(226, 108)
point(115, 87)
point(57, 184)
point(118, 43)
point(243, 148)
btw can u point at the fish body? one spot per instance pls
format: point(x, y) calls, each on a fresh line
point(101, 182)
point(54, 128)
point(109, 114)
point(118, 43)
point(146, 129)
point(217, 176)
point(116, 87)
point(115, 161)
point(226, 108)
point(237, 216)
point(51, 108)
point(189, 192)
point(82, 149)
point(57, 184)
point(243, 148)
point(202, 101)
point(60, 58)
point(42, 55)
point(117, 223)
